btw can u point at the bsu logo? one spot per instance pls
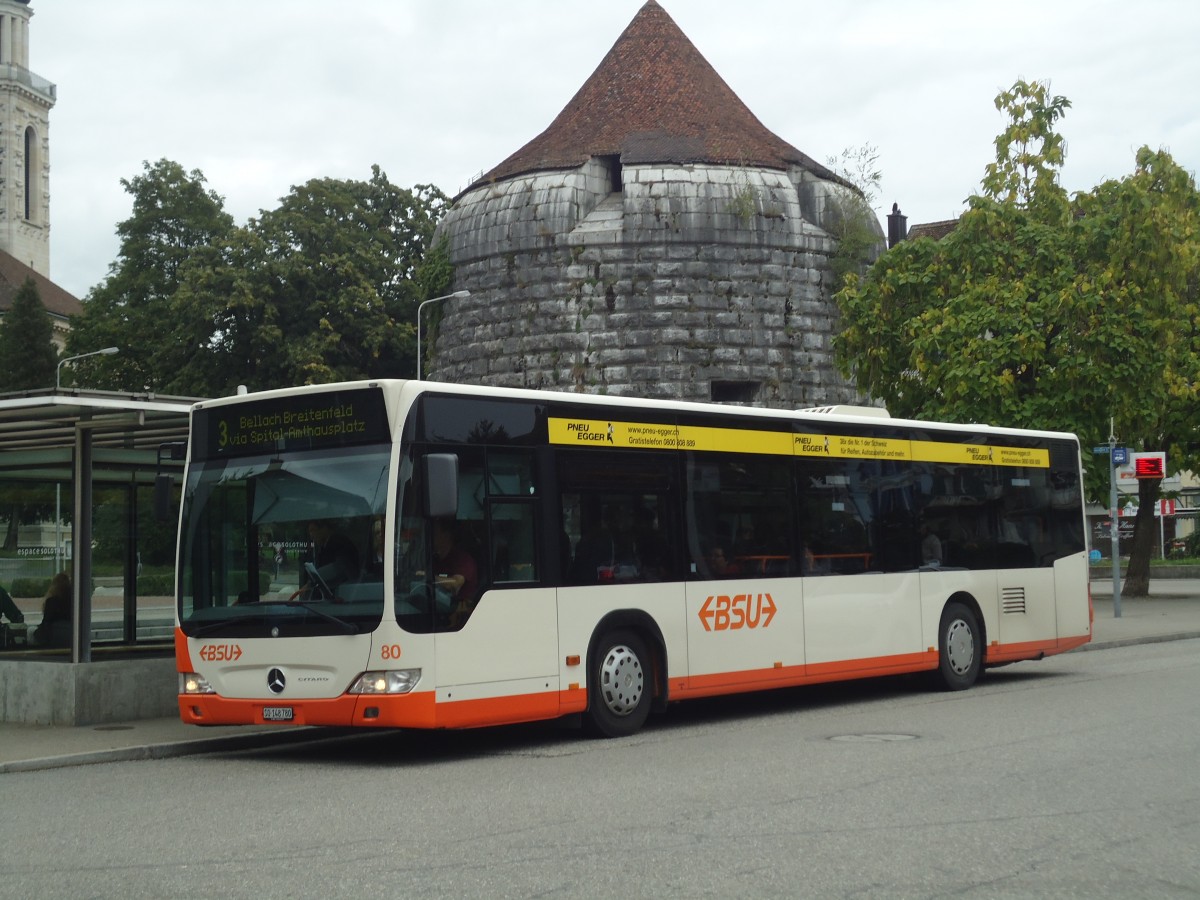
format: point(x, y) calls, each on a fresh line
point(723, 613)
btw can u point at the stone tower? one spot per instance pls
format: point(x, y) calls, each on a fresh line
point(655, 240)
point(25, 103)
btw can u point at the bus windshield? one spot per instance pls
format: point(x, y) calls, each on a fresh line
point(284, 544)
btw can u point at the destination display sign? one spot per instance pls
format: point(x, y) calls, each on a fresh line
point(652, 436)
point(302, 422)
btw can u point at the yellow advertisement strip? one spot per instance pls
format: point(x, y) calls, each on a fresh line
point(841, 446)
point(653, 436)
point(980, 454)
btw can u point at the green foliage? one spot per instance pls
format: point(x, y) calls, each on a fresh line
point(24, 502)
point(28, 357)
point(323, 288)
point(174, 216)
point(1029, 153)
point(1191, 545)
point(29, 587)
point(852, 222)
point(744, 203)
point(1041, 312)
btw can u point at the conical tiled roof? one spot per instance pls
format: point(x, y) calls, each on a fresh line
point(655, 99)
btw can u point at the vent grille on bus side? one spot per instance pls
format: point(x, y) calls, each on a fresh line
point(1012, 600)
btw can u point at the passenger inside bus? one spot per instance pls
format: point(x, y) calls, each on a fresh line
point(454, 570)
point(596, 549)
point(374, 568)
point(931, 547)
point(717, 562)
point(334, 554)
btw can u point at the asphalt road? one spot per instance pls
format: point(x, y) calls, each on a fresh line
point(1075, 777)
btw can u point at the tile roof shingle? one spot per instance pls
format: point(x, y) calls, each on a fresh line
point(655, 99)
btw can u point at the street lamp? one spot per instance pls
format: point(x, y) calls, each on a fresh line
point(107, 351)
point(424, 303)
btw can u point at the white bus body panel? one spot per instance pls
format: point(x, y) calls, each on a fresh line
point(510, 638)
point(743, 625)
point(581, 608)
point(854, 617)
point(342, 658)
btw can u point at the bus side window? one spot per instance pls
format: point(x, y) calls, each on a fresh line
point(512, 496)
point(739, 514)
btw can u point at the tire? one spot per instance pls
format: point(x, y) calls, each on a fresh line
point(621, 685)
point(960, 648)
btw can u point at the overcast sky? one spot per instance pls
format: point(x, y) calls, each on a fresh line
point(261, 95)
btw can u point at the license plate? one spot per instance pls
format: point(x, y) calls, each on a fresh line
point(277, 713)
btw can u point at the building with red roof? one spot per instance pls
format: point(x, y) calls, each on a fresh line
point(656, 240)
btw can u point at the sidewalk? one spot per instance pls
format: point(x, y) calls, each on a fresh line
point(1172, 612)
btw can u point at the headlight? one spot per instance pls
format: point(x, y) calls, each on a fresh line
point(397, 681)
point(191, 683)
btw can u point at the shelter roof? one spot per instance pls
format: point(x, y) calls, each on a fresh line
point(655, 99)
point(47, 419)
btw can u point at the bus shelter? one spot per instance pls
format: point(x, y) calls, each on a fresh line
point(86, 568)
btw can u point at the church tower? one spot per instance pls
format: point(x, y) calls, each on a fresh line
point(25, 102)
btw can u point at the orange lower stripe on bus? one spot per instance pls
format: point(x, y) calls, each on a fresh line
point(1015, 652)
point(794, 676)
point(418, 710)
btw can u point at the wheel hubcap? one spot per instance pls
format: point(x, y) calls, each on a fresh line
point(960, 647)
point(621, 680)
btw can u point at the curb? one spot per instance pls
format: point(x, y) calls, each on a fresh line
point(168, 750)
point(1130, 642)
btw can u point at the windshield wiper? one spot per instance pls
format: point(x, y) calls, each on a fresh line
point(346, 627)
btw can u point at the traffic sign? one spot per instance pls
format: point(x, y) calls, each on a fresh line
point(1103, 450)
point(1120, 456)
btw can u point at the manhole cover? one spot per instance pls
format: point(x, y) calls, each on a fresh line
point(879, 738)
point(113, 728)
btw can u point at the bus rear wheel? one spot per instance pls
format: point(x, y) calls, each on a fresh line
point(960, 648)
point(620, 687)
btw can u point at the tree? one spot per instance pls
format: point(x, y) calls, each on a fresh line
point(174, 217)
point(1041, 312)
point(1140, 256)
point(323, 288)
point(30, 359)
point(30, 362)
point(853, 223)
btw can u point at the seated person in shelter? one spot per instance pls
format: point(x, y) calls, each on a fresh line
point(55, 628)
point(9, 609)
point(15, 624)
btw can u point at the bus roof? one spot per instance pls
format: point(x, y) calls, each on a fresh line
point(407, 391)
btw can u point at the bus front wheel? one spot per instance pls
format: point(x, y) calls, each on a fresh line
point(620, 686)
point(960, 648)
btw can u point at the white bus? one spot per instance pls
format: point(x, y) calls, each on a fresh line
point(426, 555)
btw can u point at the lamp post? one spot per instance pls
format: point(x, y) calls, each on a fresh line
point(107, 351)
point(424, 303)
